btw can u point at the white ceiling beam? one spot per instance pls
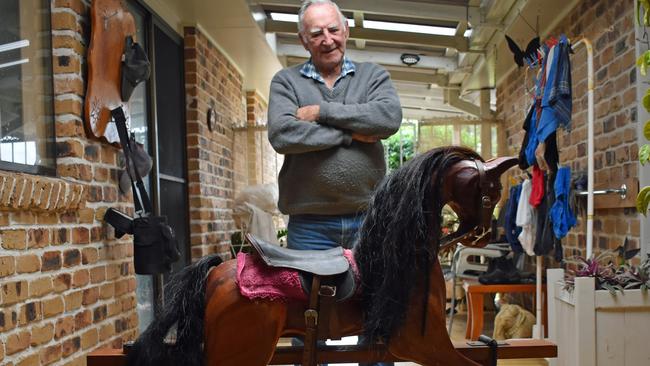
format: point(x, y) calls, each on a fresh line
point(460, 31)
point(458, 120)
point(485, 105)
point(383, 58)
point(415, 39)
point(417, 77)
point(358, 22)
point(452, 97)
point(421, 114)
point(415, 102)
point(396, 8)
point(420, 91)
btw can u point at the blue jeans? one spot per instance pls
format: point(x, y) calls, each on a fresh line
point(320, 232)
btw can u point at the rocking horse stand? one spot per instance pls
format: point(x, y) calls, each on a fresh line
point(286, 355)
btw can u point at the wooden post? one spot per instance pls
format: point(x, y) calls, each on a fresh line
point(585, 320)
point(554, 282)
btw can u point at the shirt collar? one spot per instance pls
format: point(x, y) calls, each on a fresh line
point(308, 69)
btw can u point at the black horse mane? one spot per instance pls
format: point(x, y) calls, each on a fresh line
point(400, 236)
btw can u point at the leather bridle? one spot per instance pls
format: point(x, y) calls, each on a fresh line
point(478, 232)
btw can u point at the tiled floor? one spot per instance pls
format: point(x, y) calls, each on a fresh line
point(458, 334)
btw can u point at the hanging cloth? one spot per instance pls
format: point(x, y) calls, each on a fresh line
point(545, 240)
point(523, 161)
point(540, 87)
point(510, 225)
point(561, 213)
point(537, 190)
point(525, 219)
point(557, 103)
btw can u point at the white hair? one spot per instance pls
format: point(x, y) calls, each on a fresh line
point(308, 3)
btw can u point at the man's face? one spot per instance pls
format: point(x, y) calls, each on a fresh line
point(324, 36)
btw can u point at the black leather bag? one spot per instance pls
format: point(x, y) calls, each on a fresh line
point(155, 246)
point(154, 242)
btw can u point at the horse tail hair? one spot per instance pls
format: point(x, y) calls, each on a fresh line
point(184, 310)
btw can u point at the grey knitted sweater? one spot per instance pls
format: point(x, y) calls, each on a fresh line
point(326, 172)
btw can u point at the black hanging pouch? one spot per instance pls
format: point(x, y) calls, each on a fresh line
point(154, 241)
point(155, 245)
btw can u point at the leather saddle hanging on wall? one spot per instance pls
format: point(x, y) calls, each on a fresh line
point(111, 24)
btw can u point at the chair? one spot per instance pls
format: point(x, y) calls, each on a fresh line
point(468, 263)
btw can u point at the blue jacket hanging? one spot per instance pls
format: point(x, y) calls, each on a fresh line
point(557, 101)
point(556, 96)
point(512, 230)
point(561, 213)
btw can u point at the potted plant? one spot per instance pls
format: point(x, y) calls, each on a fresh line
point(599, 313)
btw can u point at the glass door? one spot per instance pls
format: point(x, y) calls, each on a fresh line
point(170, 135)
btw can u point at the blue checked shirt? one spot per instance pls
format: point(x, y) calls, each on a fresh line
point(309, 70)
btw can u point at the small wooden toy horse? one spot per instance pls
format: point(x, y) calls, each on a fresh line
point(402, 295)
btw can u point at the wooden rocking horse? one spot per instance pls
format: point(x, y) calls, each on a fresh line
point(401, 301)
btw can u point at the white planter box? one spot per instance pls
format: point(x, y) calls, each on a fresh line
point(596, 328)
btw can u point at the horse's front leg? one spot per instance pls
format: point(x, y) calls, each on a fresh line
point(433, 347)
point(239, 331)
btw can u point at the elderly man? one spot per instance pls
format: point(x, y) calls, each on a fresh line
point(327, 116)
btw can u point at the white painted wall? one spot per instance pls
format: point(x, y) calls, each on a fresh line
point(231, 26)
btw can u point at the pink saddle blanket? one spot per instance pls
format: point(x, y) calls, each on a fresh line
point(256, 280)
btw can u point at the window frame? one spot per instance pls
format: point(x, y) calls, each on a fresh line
point(50, 142)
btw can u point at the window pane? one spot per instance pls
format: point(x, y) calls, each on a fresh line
point(138, 101)
point(26, 117)
point(468, 137)
point(138, 104)
point(432, 136)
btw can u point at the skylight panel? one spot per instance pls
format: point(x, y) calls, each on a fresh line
point(405, 27)
point(382, 25)
point(286, 17)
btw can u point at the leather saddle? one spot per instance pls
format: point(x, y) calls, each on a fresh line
point(325, 276)
point(331, 265)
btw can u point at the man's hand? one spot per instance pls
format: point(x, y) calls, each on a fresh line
point(365, 138)
point(308, 113)
point(539, 156)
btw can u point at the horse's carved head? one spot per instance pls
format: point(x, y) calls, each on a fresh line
point(473, 188)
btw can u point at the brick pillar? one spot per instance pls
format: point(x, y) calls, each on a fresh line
point(211, 81)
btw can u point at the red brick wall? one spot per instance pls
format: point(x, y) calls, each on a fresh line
point(66, 285)
point(235, 154)
point(616, 151)
point(211, 81)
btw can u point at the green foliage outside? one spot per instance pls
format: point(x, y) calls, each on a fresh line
point(392, 146)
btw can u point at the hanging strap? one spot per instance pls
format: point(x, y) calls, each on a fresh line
point(311, 325)
point(141, 201)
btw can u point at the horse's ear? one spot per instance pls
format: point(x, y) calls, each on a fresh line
point(497, 166)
